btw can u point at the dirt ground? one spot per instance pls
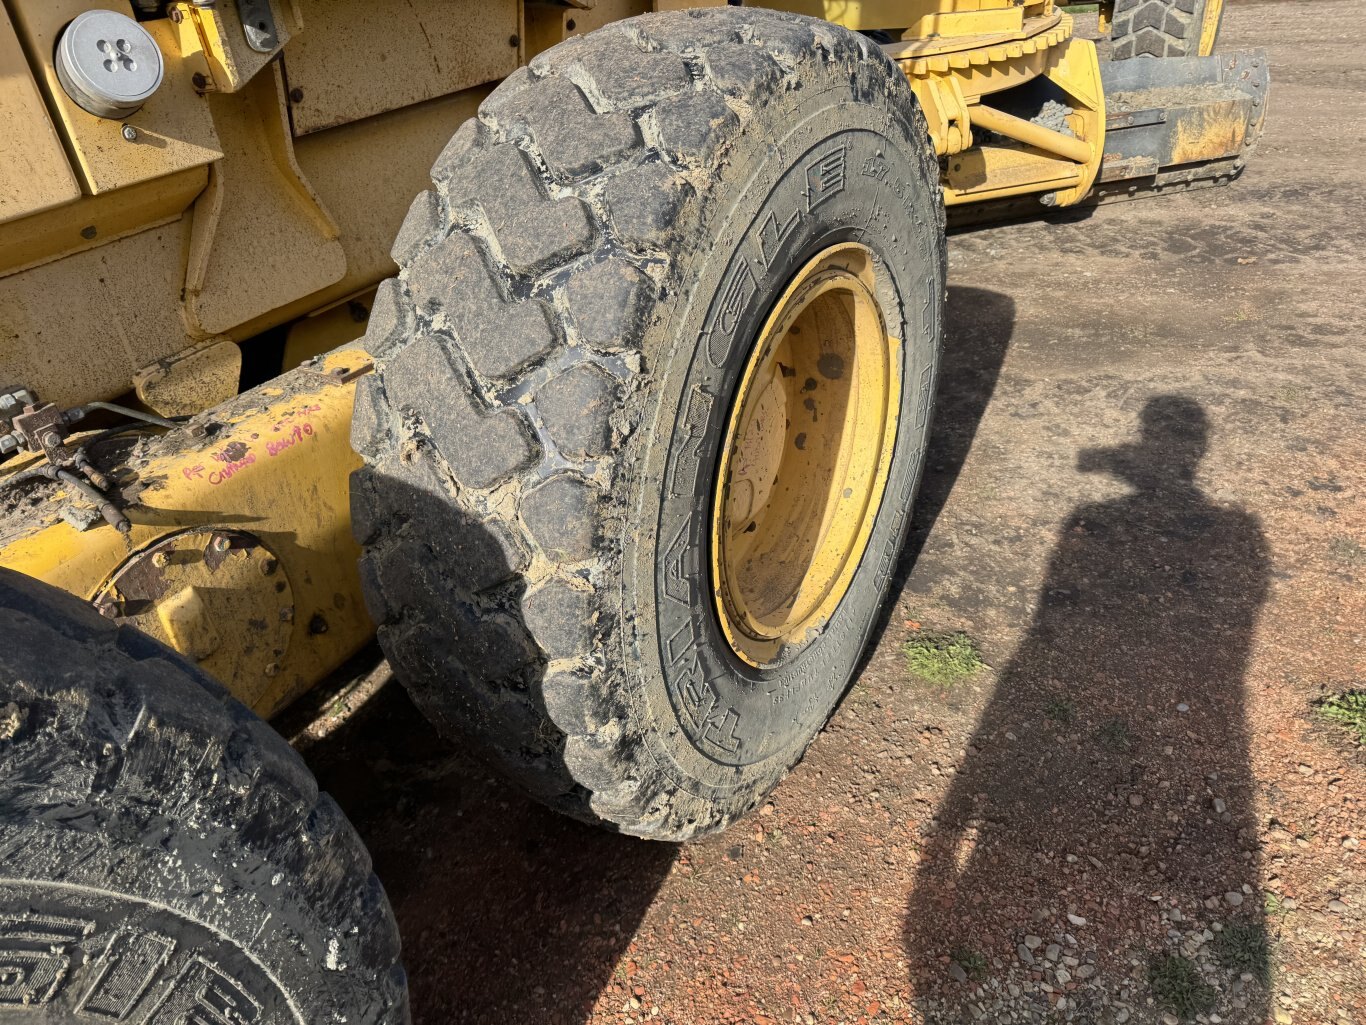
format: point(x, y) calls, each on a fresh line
point(1145, 506)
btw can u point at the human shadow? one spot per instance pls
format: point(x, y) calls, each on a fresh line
point(1104, 814)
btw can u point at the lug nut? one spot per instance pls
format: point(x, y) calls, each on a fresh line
point(130, 133)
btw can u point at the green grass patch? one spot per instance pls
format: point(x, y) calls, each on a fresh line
point(1059, 710)
point(1347, 709)
point(942, 658)
point(1115, 735)
point(1245, 948)
point(1177, 986)
point(972, 962)
point(1347, 551)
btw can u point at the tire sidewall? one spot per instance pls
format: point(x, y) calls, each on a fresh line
point(820, 167)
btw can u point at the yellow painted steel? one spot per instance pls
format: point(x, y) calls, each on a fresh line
point(34, 175)
point(1209, 27)
point(806, 456)
point(175, 130)
point(272, 464)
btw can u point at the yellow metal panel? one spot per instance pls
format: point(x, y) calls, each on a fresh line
point(261, 239)
point(1209, 28)
point(212, 36)
point(549, 23)
point(998, 172)
point(175, 129)
point(278, 469)
point(94, 220)
point(77, 329)
point(396, 149)
point(356, 58)
point(34, 175)
point(191, 380)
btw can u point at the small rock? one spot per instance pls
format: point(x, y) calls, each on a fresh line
point(1337, 906)
point(957, 971)
point(1305, 770)
point(1063, 976)
point(766, 809)
point(1183, 707)
point(1121, 1016)
point(1175, 915)
point(1283, 1017)
point(1135, 800)
point(1076, 919)
point(1289, 903)
point(807, 920)
point(1033, 942)
point(1053, 951)
point(1170, 1019)
point(1219, 806)
point(1233, 897)
point(1025, 955)
point(1086, 971)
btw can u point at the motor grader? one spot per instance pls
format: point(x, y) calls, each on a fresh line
point(585, 351)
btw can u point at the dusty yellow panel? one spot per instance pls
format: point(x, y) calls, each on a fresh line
point(277, 469)
point(34, 174)
point(548, 24)
point(397, 149)
point(356, 58)
point(79, 328)
point(192, 380)
point(261, 239)
point(175, 129)
point(214, 36)
point(94, 220)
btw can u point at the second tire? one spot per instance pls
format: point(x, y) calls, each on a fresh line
point(650, 406)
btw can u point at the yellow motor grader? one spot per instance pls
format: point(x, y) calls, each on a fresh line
point(585, 351)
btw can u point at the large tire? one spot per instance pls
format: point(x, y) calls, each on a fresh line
point(554, 371)
point(164, 855)
point(1160, 28)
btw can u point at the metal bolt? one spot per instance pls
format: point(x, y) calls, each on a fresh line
point(317, 625)
point(177, 15)
point(130, 133)
point(222, 544)
point(296, 95)
point(514, 39)
point(160, 560)
point(272, 669)
point(8, 443)
point(199, 81)
point(108, 609)
point(88, 231)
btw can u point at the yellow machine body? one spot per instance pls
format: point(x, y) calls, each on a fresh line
point(246, 212)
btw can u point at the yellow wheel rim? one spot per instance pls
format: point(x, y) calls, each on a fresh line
point(807, 452)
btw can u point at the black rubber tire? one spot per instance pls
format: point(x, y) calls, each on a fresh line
point(539, 433)
point(1157, 28)
point(164, 854)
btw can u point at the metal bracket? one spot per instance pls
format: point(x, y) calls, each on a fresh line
point(258, 25)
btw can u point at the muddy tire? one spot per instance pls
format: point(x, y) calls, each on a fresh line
point(1160, 28)
point(164, 855)
point(555, 373)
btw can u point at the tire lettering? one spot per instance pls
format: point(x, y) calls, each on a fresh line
point(124, 971)
point(34, 958)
